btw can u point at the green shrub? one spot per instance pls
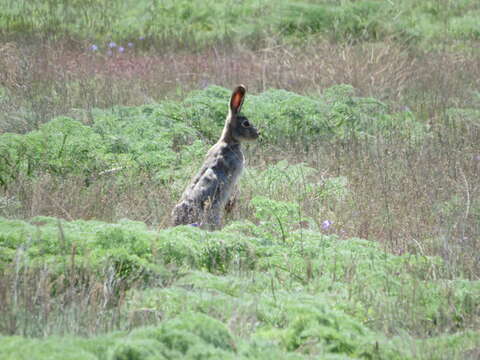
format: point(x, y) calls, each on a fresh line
point(164, 140)
point(137, 349)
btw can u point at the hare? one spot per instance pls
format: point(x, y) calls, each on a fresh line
point(214, 187)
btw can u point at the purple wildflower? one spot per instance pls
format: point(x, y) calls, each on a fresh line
point(112, 44)
point(326, 224)
point(141, 38)
point(121, 49)
point(194, 225)
point(130, 44)
point(93, 47)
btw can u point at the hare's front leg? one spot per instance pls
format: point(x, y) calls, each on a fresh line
point(210, 190)
point(212, 219)
point(232, 202)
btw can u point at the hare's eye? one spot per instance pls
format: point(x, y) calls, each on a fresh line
point(246, 124)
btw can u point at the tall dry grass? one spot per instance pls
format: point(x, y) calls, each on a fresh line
point(42, 81)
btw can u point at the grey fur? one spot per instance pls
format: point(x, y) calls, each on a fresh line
point(204, 200)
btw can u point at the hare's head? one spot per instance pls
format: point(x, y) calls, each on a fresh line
point(237, 127)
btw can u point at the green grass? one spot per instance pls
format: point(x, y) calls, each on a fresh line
point(230, 294)
point(195, 24)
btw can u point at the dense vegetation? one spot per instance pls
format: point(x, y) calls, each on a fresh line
point(357, 233)
point(243, 292)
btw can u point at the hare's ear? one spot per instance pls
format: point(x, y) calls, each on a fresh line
point(237, 99)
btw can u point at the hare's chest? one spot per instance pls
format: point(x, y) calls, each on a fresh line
point(229, 172)
point(234, 163)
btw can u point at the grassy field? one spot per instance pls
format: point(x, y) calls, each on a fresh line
point(194, 24)
point(357, 232)
point(244, 292)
